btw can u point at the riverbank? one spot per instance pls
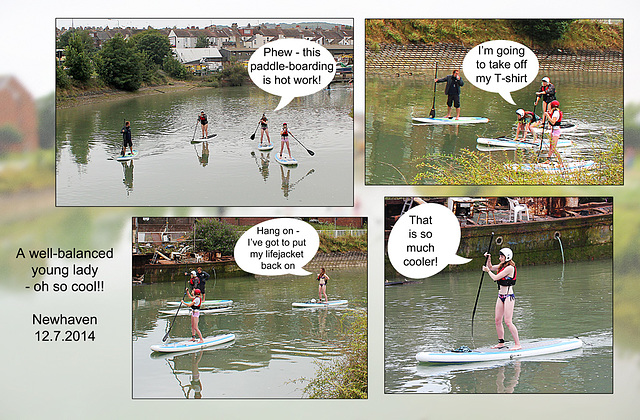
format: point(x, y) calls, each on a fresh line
point(77, 97)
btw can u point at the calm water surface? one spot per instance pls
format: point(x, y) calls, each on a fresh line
point(228, 170)
point(435, 315)
point(275, 344)
point(394, 146)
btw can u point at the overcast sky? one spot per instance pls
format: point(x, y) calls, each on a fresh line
point(182, 23)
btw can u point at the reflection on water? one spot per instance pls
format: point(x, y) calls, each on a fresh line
point(554, 301)
point(275, 345)
point(88, 137)
point(394, 145)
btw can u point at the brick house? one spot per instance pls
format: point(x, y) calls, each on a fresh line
point(19, 117)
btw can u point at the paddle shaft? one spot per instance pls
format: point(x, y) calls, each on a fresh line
point(475, 306)
point(253, 136)
point(179, 306)
point(311, 152)
point(194, 131)
point(432, 114)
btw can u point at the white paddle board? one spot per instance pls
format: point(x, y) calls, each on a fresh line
point(200, 140)
point(536, 348)
point(265, 147)
point(189, 345)
point(554, 167)
point(208, 303)
point(510, 143)
point(287, 161)
point(187, 311)
point(127, 156)
point(461, 120)
point(319, 304)
point(564, 127)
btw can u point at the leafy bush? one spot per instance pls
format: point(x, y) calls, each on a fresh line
point(214, 235)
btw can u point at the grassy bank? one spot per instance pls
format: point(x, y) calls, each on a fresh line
point(581, 34)
point(346, 243)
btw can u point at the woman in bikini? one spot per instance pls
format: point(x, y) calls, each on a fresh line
point(264, 129)
point(195, 313)
point(505, 277)
point(322, 285)
point(554, 117)
point(284, 139)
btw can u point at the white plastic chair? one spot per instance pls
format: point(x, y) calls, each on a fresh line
point(517, 210)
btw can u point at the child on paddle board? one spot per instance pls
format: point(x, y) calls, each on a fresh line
point(126, 138)
point(547, 93)
point(264, 129)
point(204, 123)
point(195, 313)
point(505, 277)
point(284, 139)
point(525, 120)
point(554, 116)
point(323, 279)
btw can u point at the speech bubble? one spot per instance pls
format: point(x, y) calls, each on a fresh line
point(277, 247)
point(291, 67)
point(424, 241)
point(501, 67)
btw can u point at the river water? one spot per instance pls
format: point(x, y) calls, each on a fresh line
point(551, 302)
point(275, 344)
point(228, 170)
point(394, 146)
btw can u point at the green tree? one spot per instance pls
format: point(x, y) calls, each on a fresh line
point(62, 78)
point(84, 36)
point(77, 60)
point(235, 74)
point(9, 136)
point(174, 68)
point(542, 31)
point(202, 42)
point(119, 64)
point(154, 44)
point(214, 235)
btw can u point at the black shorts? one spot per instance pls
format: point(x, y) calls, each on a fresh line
point(453, 100)
point(128, 143)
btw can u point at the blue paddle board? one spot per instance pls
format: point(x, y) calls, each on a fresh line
point(319, 304)
point(286, 161)
point(189, 345)
point(127, 156)
point(461, 120)
point(535, 348)
point(265, 147)
point(510, 143)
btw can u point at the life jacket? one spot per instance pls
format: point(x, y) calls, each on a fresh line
point(557, 123)
point(194, 306)
point(508, 281)
point(285, 133)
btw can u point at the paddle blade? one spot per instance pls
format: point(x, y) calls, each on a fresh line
point(311, 152)
point(253, 136)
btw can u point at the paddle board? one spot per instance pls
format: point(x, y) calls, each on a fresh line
point(189, 345)
point(319, 304)
point(265, 147)
point(554, 167)
point(187, 311)
point(287, 161)
point(486, 354)
point(127, 156)
point(461, 120)
point(208, 303)
point(505, 142)
point(564, 126)
point(200, 140)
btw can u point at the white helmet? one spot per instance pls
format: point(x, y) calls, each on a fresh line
point(546, 79)
point(520, 112)
point(508, 253)
point(193, 273)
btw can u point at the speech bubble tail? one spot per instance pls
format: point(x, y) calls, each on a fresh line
point(507, 97)
point(284, 101)
point(458, 260)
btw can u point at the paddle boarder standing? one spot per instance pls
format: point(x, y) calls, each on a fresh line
point(195, 303)
point(126, 138)
point(452, 90)
point(505, 277)
point(202, 276)
point(284, 139)
point(204, 123)
point(525, 120)
point(322, 285)
point(554, 116)
point(264, 129)
point(547, 93)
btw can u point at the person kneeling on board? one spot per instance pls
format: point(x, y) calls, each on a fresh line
point(195, 313)
point(505, 277)
point(525, 120)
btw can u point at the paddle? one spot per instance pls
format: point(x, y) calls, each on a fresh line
point(544, 122)
point(194, 131)
point(311, 152)
point(432, 114)
point(253, 136)
point(475, 306)
point(179, 306)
